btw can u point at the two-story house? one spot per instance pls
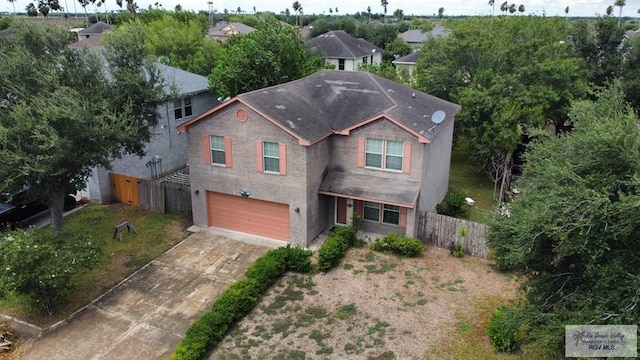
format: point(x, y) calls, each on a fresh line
point(292, 160)
point(167, 150)
point(345, 51)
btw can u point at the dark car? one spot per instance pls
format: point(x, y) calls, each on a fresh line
point(16, 208)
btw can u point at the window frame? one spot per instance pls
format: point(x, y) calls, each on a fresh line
point(186, 106)
point(384, 154)
point(271, 157)
point(381, 209)
point(223, 150)
point(341, 63)
point(368, 204)
point(387, 208)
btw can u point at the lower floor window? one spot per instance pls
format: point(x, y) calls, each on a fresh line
point(390, 213)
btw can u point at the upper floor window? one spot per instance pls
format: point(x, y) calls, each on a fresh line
point(384, 154)
point(182, 108)
point(271, 157)
point(340, 64)
point(217, 150)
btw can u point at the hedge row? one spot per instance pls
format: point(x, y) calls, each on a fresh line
point(239, 298)
point(334, 248)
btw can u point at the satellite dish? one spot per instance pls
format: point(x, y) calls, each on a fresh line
point(438, 117)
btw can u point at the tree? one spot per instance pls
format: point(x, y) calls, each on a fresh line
point(58, 122)
point(398, 14)
point(521, 9)
point(504, 7)
point(13, 3)
point(566, 11)
point(271, 55)
point(609, 10)
point(573, 229)
point(384, 4)
point(395, 49)
point(440, 12)
point(31, 10)
point(620, 4)
point(132, 6)
point(44, 8)
point(369, 11)
point(40, 265)
point(507, 89)
point(492, 3)
point(296, 8)
point(330, 11)
point(512, 9)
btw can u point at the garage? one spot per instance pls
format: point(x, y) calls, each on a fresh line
point(258, 217)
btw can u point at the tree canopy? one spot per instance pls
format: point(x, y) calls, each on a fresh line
point(271, 55)
point(65, 110)
point(574, 229)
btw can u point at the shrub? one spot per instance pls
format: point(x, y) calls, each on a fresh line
point(503, 329)
point(298, 259)
point(399, 245)
point(452, 205)
point(457, 250)
point(335, 247)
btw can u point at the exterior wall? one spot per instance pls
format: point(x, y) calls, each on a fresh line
point(437, 159)
point(318, 157)
point(353, 64)
point(344, 150)
point(405, 69)
point(166, 152)
point(289, 189)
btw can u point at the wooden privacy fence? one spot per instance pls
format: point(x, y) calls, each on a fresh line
point(165, 197)
point(440, 230)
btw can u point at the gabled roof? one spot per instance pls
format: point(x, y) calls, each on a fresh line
point(339, 44)
point(332, 101)
point(225, 29)
point(97, 28)
point(414, 36)
point(184, 82)
point(410, 59)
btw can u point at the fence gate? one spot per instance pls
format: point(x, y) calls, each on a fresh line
point(125, 188)
point(171, 194)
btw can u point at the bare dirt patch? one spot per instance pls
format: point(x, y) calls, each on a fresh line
point(373, 306)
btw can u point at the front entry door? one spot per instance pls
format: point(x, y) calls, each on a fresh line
point(341, 211)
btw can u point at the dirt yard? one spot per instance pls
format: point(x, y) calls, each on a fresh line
point(373, 306)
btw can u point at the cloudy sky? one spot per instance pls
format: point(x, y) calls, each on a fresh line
point(451, 7)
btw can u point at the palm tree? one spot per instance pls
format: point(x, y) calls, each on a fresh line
point(440, 12)
point(504, 7)
point(14, 6)
point(492, 3)
point(132, 7)
point(369, 11)
point(31, 10)
point(609, 10)
point(296, 8)
point(512, 8)
point(621, 4)
point(566, 11)
point(384, 4)
point(336, 10)
point(43, 7)
point(398, 14)
point(330, 11)
point(521, 8)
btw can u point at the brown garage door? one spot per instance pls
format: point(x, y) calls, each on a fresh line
point(252, 216)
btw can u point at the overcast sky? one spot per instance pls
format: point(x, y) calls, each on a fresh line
point(451, 7)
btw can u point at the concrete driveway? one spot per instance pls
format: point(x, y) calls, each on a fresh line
point(146, 316)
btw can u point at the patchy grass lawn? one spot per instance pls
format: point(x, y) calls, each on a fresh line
point(467, 177)
point(156, 233)
point(376, 306)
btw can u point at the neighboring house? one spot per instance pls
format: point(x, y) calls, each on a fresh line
point(167, 150)
point(345, 51)
point(292, 160)
point(94, 32)
point(416, 37)
point(406, 64)
point(223, 30)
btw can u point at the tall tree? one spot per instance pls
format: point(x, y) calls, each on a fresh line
point(492, 3)
point(13, 3)
point(566, 11)
point(384, 4)
point(31, 10)
point(296, 7)
point(398, 14)
point(43, 7)
point(504, 7)
point(271, 55)
point(620, 4)
point(512, 9)
point(58, 122)
point(506, 88)
point(369, 11)
point(131, 6)
point(609, 10)
point(440, 12)
point(521, 9)
point(573, 230)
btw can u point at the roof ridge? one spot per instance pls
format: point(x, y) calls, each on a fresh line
point(343, 44)
point(382, 90)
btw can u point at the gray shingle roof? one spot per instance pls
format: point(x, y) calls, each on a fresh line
point(97, 28)
point(407, 59)
point(235, 27)
point(339, 44)
point(185, 83)
point(317, 105)
point(414, 36)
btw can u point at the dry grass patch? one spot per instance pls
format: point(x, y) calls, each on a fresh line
point(372, 306)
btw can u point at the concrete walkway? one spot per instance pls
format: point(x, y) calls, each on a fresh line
point(146, 316)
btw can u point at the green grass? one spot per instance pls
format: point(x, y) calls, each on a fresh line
point(467, 177)
point(156, 233)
